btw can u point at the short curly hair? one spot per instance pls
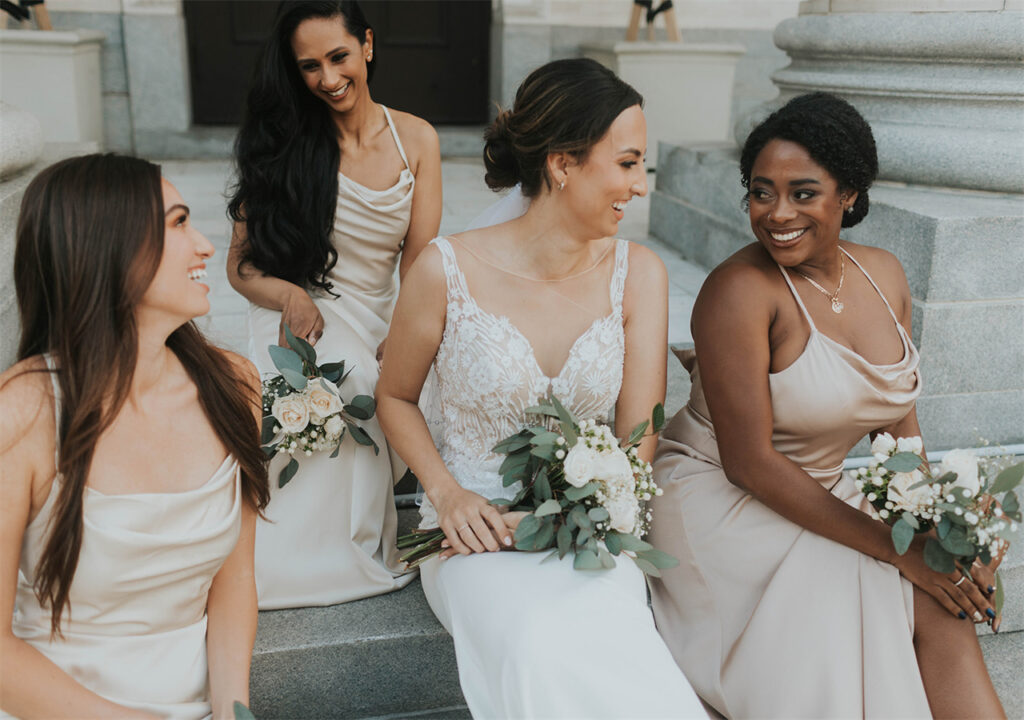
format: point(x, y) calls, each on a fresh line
point(834, 134)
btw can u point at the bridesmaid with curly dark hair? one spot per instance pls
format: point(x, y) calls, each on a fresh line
point(789, 600)
point(335, 192)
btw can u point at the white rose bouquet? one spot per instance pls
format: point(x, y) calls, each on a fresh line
point(958, 500)
point(303, 411)
point(581, 487)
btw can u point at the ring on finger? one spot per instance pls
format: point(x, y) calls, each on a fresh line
point(461, 528)
point(962, 578)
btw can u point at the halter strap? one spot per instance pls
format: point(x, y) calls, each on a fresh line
point(874, 285)
point(394, 134)
point(618, 284)
point(799, 301)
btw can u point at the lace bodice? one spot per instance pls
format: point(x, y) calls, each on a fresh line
point(488, 375)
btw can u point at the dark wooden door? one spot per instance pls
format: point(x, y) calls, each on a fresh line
point(432, 57)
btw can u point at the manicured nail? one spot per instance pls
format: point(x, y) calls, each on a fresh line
point(443, 558)
point(961, 615)
point(978, 616)
point(991, 589)
point(995, 625)
point(991, 613)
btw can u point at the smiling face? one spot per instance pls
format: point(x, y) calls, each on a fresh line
point(796, 206)
point(175, 290)
point(612, 174)
point(331, 61)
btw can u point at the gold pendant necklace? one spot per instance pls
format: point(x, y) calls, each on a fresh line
point(837, 307)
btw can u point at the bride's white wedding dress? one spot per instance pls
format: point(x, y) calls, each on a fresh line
point(537, 639)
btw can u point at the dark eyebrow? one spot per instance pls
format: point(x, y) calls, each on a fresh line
point(327, 54)
point(177, 206)
point(801, 181)
point(631, 151)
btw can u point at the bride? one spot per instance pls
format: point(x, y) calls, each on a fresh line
point(549, 302)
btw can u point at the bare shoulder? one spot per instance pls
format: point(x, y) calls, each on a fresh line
point(647, 273)
point(26, 408)
point(427, 272)
point(885, 269)
point(243, 367)
point(745, 272)
point(418, 136)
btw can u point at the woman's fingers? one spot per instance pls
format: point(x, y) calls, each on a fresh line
point(468, 536)
point(484, 533)
point(497, 522)
point(966, 595)
point(451, 534)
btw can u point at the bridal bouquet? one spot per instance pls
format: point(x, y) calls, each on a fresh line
point(303, 411)
point(580, 487)
point(959, 501)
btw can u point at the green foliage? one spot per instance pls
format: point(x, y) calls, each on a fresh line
point(902, 534)
point(242, 712)
point(1008, 479)
point(287, 473)
point(362, 407)
point(937, 558)
point(903, 462)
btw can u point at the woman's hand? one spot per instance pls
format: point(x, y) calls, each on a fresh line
point(301, 315)
point(511, 522)
point(470, 523)
point(955, 592)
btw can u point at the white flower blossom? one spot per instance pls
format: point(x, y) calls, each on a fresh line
point(291, 413)
point(883, 445)
point(622, 510)
point(579, 464)
point(322, 396)
point(965, 464)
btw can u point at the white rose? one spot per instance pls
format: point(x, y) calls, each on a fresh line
point(622, 509)
point(322, 396)
point(902, 497)
point(291, 413)
point(965, 464)
point(883, 445)
point(615, 470)
point(579, 465)
point(912, 444)
point(334, 426)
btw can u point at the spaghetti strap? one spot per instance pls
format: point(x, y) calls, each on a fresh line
point(52, 367)
point(799, 301)
point(874, 285)
point(618, 283)
point(394, 134)
point(457, 286)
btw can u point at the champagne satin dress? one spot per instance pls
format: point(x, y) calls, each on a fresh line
point(329, 535)
point(767, 619)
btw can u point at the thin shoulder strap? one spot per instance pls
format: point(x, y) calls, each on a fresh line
point(799, 301)
point(52, 367)
point(457, 288)
point(394, 134)
point(873, 284)
point(617, 286)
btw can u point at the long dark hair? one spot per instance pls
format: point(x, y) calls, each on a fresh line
point(833, 133)
point(89, 240)
point(287, 156)
point(563, 106)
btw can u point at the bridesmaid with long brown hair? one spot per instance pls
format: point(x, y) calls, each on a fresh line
point(132, 474)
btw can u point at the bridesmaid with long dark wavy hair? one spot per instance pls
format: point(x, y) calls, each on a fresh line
point(335, 192)
point(132, 473)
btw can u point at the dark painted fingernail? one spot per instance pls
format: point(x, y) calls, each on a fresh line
point(961, 615)
point(991, 589)
point(991, 613)
point(995, 625)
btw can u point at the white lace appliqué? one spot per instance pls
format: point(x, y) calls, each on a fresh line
point(488, 376)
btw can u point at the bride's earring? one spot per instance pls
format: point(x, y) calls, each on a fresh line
point(561, 185)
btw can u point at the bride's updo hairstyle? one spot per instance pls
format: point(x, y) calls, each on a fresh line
point(833, 133)
point(563, 106)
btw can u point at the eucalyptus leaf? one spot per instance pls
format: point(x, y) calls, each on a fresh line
point(514, 462)
point(333, 368)
point(607, 561)
point(658, 558)
point(551, 556)
point(566, 421)
point(545, 437)
point(938, 559)
point(242, 712)
point(1010, 503)
point(267, 428)
point(283, 357)
point(658, 418)
point(546, 535)
point(287, 473)
point(542, 409)
point(296, 379)
point(362, 407)
point(612, 542)
point(597, 514)
point(512, 444)
point(1008, 479)
point(909, 519)
point(902, 535)
point(527, 526)
point(541, 485)
point(1000, 594)
point(646, 567)
point(637, 433)
point(269, 450)
point(544, 452)
point(361, 437)
point(525, 543)
point(956, 543)
point(578, 493)
point(903, 462)
point(300, 346)
point(548, 507)
point(563, 539)
point(586, 560)
point(337, 448)
point(632, 543)
point(943, 527)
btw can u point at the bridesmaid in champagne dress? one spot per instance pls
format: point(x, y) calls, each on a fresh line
point(335, 192)
point(789, 600)
point(132, 473)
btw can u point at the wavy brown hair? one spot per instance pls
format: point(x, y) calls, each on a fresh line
point(90, 237)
